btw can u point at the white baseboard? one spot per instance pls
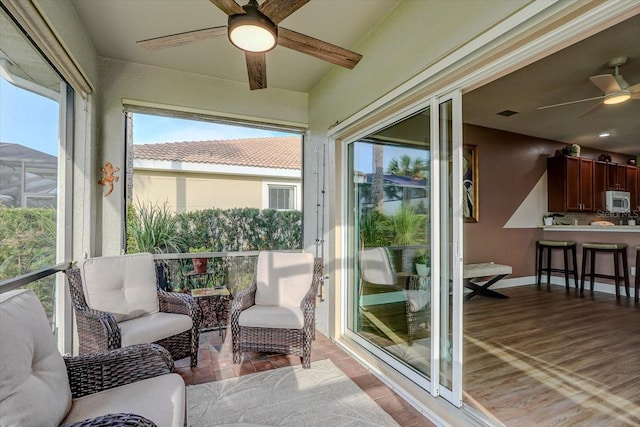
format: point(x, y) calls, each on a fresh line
point(605, 288)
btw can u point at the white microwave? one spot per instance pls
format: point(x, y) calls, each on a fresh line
point(618, 201)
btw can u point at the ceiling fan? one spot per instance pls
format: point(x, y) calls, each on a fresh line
point(254, 29)
point(614, 88)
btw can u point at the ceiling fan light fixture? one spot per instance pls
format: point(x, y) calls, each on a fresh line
point(252, 31)
point(617, 98)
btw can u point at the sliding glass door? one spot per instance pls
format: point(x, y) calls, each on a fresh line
point(402, 289)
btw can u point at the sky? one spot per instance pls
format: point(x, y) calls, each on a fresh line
point(28, 119)
point(32, 120)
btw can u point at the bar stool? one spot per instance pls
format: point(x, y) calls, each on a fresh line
point(618, 250)
point(550, 245)
point(637, 271)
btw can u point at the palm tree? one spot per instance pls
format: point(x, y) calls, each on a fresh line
point(415, 167)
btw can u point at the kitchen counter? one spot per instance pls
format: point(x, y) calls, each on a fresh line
point(595, 228)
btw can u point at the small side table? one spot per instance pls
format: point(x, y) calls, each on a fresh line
point(214, 303)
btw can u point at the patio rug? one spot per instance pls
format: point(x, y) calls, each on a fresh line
point(290, 396)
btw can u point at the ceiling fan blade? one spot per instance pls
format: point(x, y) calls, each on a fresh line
point(635, 89)
point(593, 109)
point(318, 48)
point(257, 69)
point(277, 10)
point(606, 82)
point(229, 7)
point(570, 102)
point(180, 39)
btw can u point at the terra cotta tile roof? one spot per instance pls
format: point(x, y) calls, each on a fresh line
point(274, 152)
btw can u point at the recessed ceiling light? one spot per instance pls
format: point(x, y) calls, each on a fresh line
point(604, 134)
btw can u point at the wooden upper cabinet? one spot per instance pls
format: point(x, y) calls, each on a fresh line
point(570, 184)
point(599, 186)
point(616, 177)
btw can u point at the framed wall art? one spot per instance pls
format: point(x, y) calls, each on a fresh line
point(470, 183)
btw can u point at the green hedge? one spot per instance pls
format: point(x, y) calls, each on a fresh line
point(28, 243)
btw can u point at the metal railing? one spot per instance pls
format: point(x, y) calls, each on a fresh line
point(27, 278)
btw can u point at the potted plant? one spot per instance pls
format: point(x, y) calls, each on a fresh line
point(199, 264)
point(422, 262)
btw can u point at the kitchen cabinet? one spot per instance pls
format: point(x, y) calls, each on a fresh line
point(616, 177)
point(599, 186)
point(570, 184)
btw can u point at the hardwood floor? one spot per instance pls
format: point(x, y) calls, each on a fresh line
point(542, 357)
point(548, 357)
point(215, 364)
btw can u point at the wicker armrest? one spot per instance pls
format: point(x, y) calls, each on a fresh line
point(176, 302)
point(244, 299)
point(95, 372)
point(115, 420)
point(180, 303)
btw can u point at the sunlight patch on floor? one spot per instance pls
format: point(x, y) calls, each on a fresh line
point(577, 388)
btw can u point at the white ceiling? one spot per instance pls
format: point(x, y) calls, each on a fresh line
point(114, 26)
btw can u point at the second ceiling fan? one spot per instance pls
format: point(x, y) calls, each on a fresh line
point(254, 29)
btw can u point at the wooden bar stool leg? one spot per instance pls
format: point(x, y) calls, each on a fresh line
point(575, 265)
point(566, 267)
point(593, 268)
point(548, 267)
point(584, 266)
point(625, 267)
point(538, 264)
point(616, 269)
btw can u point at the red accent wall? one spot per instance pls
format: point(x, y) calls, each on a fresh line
point(509, 166)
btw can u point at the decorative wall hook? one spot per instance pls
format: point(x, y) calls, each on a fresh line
point(109, 178)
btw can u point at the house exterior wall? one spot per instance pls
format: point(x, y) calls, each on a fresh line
point(191, 191)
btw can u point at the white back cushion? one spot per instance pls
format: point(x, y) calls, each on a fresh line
point(376, 267)
point(283, 278)
point(123, 285)
point(34, 387)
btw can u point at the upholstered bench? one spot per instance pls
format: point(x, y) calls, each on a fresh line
point(485, 269)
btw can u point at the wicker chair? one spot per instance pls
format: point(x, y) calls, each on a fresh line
point(276, 314)
point(378, 276)
point(110, 318)
point(132, 386)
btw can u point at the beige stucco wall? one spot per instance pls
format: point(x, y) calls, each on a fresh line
point(190, 191)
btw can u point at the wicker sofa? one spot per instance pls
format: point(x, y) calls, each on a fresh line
point(132, 386)
point(276, 314)
point(117, 303)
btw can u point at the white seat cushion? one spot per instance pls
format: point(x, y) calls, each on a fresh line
point(261, 316)
point(160, 399)
point(485, 269)
point(122, 285)
point(283, 278)
point(153, 327)
point(34, 387)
